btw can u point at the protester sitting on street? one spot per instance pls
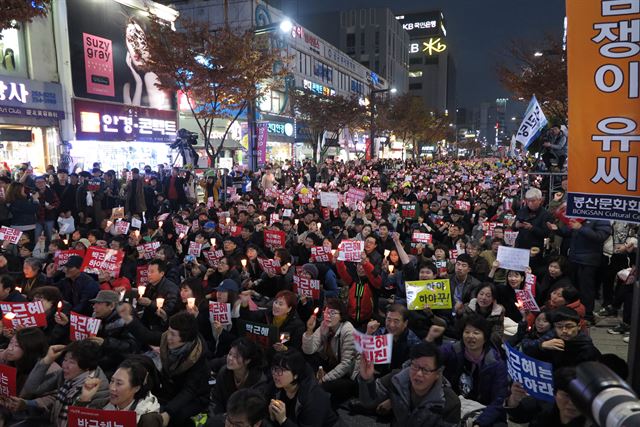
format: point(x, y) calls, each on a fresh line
point(418, 395)
point(485, 305)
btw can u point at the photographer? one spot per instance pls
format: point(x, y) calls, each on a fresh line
point(555, 146)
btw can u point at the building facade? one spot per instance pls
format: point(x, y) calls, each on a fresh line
point(432, 72)
point(31, 97)
point(372, 37)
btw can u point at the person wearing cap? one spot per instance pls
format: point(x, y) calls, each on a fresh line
point(77, 287)
point(565, 344)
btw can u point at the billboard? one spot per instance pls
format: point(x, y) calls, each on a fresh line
point(104, 64)
point(604, 108)
point(423, 24)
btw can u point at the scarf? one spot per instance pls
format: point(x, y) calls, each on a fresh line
point(179, 360)
point(67, 394)
point(147, 405)
point(279, 320)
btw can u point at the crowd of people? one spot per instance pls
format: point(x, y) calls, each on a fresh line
point(159, 352)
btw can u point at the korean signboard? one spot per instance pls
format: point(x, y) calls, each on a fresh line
point(112, 122)
point(604, 99)
point(30, 98)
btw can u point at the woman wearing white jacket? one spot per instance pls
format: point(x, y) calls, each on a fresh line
point(331, 351)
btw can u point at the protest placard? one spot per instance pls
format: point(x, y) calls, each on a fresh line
point(142, 275)
point(274, 239)
point(195, 249)
point(220, 312)
point(418, 237)
point(321, 254)
point(213, 257)
point(10, 235)
point(270, 266)
point(8, 385)
point(81, 416)
point(435, 294)
point(182, 229)
point(136, 223)
point(409, 210)
point(329, 200)
point(463, 205)
point(453, 254)
point(534, 375)
point(117, 213)
point(488, 227)
point(148, 250)
point(82, 327)
point(23, 314)
point(513, 258)
point(60, 258)
point(122, 227)
point(234, 230)
point(99, 259)
point(526, 300)
point(350, 250)
point(306, 287)
point(510, 237)
point(355, 195)
point(375, 348)
point(260, 333)
point(287, 213)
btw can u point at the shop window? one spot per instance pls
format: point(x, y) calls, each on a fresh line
point(12, 53)
point(415, 74)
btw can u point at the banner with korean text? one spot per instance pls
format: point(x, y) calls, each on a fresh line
point(82, 416)
point(604, 108)
point(435, 294)
point(534, 375)
point(375, 348)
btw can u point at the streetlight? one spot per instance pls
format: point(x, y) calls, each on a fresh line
point(286, 25)
point(372, 93)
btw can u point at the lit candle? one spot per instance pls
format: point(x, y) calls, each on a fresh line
point(386, 252)
point(390, 268)
point(191, 302)
point(315, 311)
point(519, 305)
point(66, 241)
point(160, 224)
point(141, 290)
point(281, 338)
point(244, 263)
point(109, 224)
point(181, 236)
point(19, 289)
point(9, 316)
point(213, 242)
point(228, 220)
point(59, 306)
point(319, 225)
point(159, 302)
point(296, 221)
point(136, 233)
point(122, 296)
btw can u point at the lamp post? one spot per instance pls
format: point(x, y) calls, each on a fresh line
point(372, 96)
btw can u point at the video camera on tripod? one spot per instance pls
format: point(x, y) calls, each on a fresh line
point(185, 140)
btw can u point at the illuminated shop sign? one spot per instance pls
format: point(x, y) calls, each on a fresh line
point(30, 98)
point(318, 88)
point(112, 122)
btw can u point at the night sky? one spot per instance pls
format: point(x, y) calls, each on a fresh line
point(477, 31)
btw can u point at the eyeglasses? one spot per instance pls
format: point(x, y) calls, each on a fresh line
point(424, 371)
point(331, 313)
point(278, 370)
point(565, 326)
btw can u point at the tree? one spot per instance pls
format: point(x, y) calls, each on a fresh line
point(319, 113)
point(16, 11)
point(220, 72)
point(541, 71)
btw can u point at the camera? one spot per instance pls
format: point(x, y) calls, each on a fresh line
point(184, 137)
point(604, 397)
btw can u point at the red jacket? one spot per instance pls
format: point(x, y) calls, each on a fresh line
point(360, 305)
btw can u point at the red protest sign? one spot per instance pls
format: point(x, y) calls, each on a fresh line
point(182, 229)
point(82, 327)
point(526, 300)
point(270, 266)
point(23, 314)
point(220, 312)
point(462, 205)
point(355, 195)
point(418, 237)
point(453, 254)
point(195, 249)
point(61, 257)
point(142, 275)
point(262, 334)
point(375, 348)
point(148, 250)
point(8, 381)
point(213, 257)
point(274, 239)
point(307, 287)
point(350, 250)
point(88, 417)
point(408, 210)
point(10, 235)
point(98, 259)
point(235, 230)
point(488, 228)
point(321, 254)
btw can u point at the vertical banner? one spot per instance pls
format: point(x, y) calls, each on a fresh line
point(261, 132)
point(604, 109)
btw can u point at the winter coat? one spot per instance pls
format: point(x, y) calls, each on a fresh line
point(313, 405)
point(225, 386)
point(577, 350)
point(343, 348)
point(118, 342)
point(163, 289)
point(146, 409)
point(23, 212)
point(140, 205)
point(292, 324)
point(361, 292)
point(439, 408)
point(586, 242)
point(51, 198)
point(535, 237)
point(491, 386)
point(67, 195)
point(78, 292)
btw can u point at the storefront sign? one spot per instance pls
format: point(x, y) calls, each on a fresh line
point(604, 153)
point(422, 24)
point(30, 98)
point(261, 136)
point(98, 121)
point(318, 88)
point(429, 47)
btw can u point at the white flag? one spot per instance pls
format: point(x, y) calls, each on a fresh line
point(532, 124)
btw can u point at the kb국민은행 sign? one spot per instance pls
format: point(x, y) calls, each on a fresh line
point(604, 106)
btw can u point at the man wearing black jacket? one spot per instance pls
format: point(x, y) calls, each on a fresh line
point(159, 287)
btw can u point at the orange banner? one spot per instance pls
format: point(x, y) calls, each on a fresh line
point(604, 109)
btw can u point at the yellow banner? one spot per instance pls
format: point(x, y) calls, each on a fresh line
point(435, 294)
point(604, 109)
